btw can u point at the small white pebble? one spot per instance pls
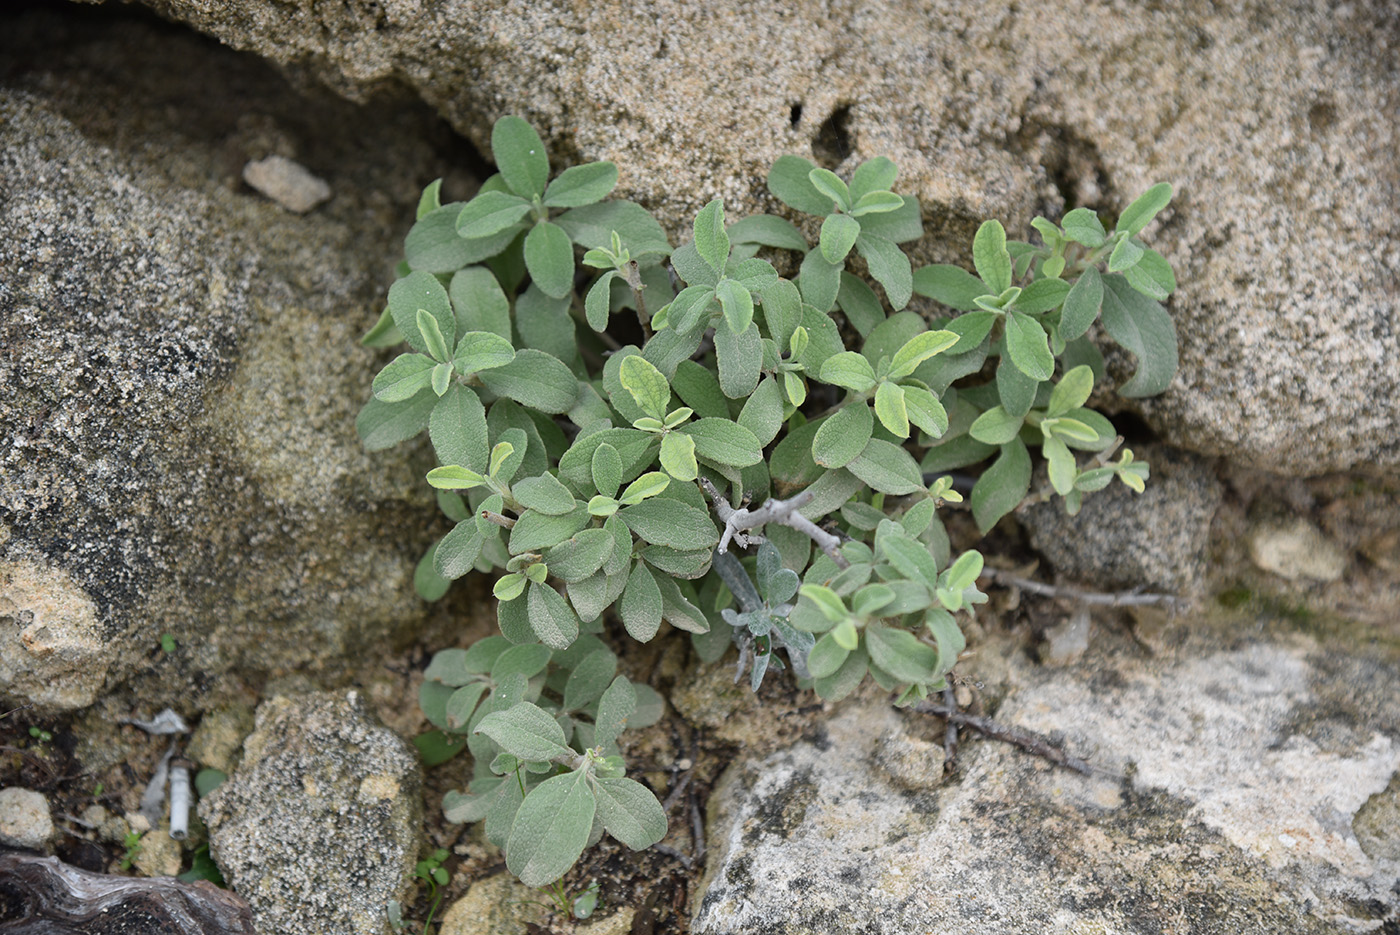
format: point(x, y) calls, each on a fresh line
point(1287, 840)
point(288, 183)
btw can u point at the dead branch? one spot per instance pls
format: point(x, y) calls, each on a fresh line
point(782, 512)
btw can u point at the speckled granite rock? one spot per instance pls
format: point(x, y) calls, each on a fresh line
point(1232, 778)
point(319, 826)
point(1282, 231)
point(1158, 539)
point(180, 368)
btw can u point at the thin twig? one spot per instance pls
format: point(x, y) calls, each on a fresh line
point(633, 276)
point(1100, 598)
point(505, 522)
point(950, 735)
point(782, 512)
point(686, 860)
point(1029, 741)
point(697, 827)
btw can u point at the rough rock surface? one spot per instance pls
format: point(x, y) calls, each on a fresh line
point(1231, 779)
point(1282, 231)
point(319, 826)
point(1157, 539)
point(180, 369)
point(24, 819)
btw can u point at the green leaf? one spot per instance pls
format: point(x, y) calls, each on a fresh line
point(1042, 296)
point(1141, 212)
point(432, 336)
point(482, 350)
point(763, 412)
point(592, 227)
point(509, 587)
point(889, 406)
point(990, 257)
point(432, 245)
point(1152, 276)
point(1081, 305)
point(1143, 327)
point(887, 468)
point(1003, 486)
point(925, 411)
point(489, 213)
point(536, 380)
point(579, 556)
point(648, 485)
point(544, 494)
point(838, 236)
point(581, 185)
point(430, 200)
point(384, 333)
point(1125, 255)
point(850, 370)
point(598, 304)
point(589, 679)
point(889, 266)
point(831, 187)
point(964, 572)
point(873, 176)
point(1072, 391)
point(479, 303)
point(1083, 226)
point(663, 521)
point(606, 469)
point(740, 360)
point(951, 285)
point(918, 349)
point(553, 621)
point(1028, 346)
point(430, 585)
point(647, 385)
point(1061, 465)
point(614, 708)
point(457, 552)
point(724, 442)
point(782, 311)
point(876, 203)
point(630, 812)
point(520, 157)
point(819, 281)
point(699, 389)
point(551, 829)
point(789, 180)
point(442, 377)
point(420, 290)
point(845, 679)
point(527, 732)
point(737, 303)
point(901, 654)
point(860, 304)
point(457, 428)
point(996, 426)
point(678, 456)
point(711, 241)
point(1016, 390)
point(549, 256)
point(404, 376)
point(769, 231)
point(826, 656)
point(910, 557)
point(534, 530)
point(640, 606)
point(843, 436)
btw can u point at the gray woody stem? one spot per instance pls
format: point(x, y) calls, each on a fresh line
point(783, 512)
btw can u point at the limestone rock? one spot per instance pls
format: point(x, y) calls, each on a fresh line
point(1294, 548)
point(181, 375)
point(287, 182)
point(319, 826)
point(496, 905)
point(1230, 780)
point(1157, 539)
point(25, 819)
point(1281, 231)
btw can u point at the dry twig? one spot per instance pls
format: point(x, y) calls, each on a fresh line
point(783, 512)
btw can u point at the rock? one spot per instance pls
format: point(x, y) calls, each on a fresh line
point(497, 905)
point(24, 819)
point(160, 854)
point(51, 647)
point(1068, 640)
point(1289, 330)
point(1294, 548)
point(1229, 781)
point(218, 739)
point(286, 182)
point(319, 826)
point(1158, 539)
point(181, 371)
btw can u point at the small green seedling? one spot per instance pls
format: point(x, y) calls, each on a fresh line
point(132, 849)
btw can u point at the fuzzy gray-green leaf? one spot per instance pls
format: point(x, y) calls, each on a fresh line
point(640, 606)
point(536, 380)
point(551, 829)
point(843, 435)
point(630, 812)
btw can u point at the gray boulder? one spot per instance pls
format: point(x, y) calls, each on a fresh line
point(1281, 232)
point(180, 369)
point(319, 826)
point(1228, 784)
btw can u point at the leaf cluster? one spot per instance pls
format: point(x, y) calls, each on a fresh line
point(570, 460)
